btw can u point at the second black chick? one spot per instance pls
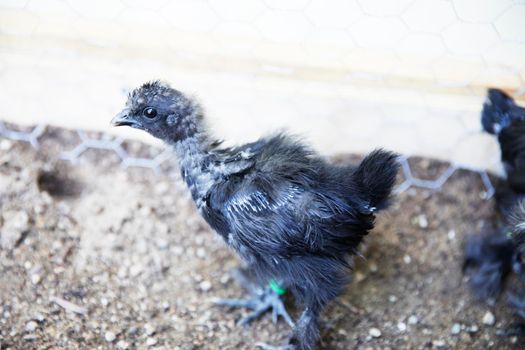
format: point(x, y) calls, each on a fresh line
point(502, 117)
point(497, 255)
point(295, 219)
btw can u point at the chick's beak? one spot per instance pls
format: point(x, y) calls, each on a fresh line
point(123, 119)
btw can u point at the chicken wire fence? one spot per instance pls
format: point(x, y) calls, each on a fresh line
point(114, 144)
point(416, 70)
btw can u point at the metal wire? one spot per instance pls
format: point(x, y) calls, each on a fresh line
point(154, 163)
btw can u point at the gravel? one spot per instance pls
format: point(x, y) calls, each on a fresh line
point(439, 344)
point(149, 329)
point(422, 221)
point(31, 326)
point(205, 286)
point(110, 337)
point(151, 341)
point(412, 320)
point(122, 345)
point(472, 329)
point(489, 319)
point(15, 225)
point(456, 329)
point(374, 332)
point(125, 248)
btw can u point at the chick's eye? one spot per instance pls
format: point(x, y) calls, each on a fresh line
point(149, 112)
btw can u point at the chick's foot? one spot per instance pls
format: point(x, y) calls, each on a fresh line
point(263, 300)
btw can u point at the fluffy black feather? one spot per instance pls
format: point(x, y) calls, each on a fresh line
point(291, 215)
point(499, 110)
point(516, 219)
point(492, 256)
point(499, 254)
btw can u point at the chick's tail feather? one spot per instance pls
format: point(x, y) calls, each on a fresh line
point(376, 176)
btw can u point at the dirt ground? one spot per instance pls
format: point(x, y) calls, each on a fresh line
point(94, 256)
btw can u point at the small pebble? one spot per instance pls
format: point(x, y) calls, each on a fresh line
point(165, 306)
point(29, 337)
point(145, 210)
point(472, 329)
point(132, 331)
point(151, 341)
point(35, 278)
point(451, 235)
point(39, 318)
point(110, 337)
point(358, 277)
point(196, 277)
point(205, 286)
point(199, 240)
point(392, 299)
point(407, 259)
point(149, 329)
point(439, 343)
point(489, 319)
point(456, 329)
point(402, 326)
point(373, 267)
point(177, 250)
point(31, 326)
point(5, 145)
point(201, 252)
point(162, 243)
point(423, 221)
point(122, 345)
point(413, 319)
point(374, 332)
point(225, 279)
point(135, 270)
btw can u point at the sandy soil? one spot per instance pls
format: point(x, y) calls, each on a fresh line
point(94, 256)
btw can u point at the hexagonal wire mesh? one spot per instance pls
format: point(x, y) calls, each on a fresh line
point(415, 56)
point(388, 45)
point(126, 160)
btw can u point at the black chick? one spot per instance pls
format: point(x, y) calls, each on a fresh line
point(295, 219)
point(501, 116)
point(497, 255)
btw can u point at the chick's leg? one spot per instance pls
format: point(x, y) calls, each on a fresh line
point(517, 301)
point(305, 334)
point(262, 301)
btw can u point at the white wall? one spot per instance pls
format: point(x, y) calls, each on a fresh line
point(350, 75)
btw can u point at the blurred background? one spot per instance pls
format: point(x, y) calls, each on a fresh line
point(349, 75)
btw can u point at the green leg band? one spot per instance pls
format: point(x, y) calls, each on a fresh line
point(277, 288)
